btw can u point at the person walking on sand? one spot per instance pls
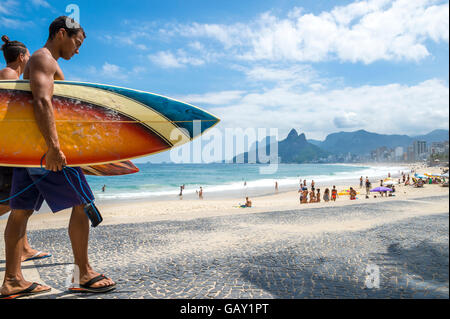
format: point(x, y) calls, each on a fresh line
point(361, 182)
point(276, 186)
point(65, 38)
point(300, 191)
point(16, 56)
point(318, 196)
point(367, 186)
point(333, 194)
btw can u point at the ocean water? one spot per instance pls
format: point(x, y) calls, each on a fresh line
point(164, 180)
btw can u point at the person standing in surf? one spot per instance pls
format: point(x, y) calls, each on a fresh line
point(65, 38)
point(16, 56)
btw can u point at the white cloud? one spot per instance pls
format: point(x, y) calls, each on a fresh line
point(40, 3)
point(364, 31)
point(290, 76)
point(213, 98)
point(110, 72)
point(167, 59)
point(8, 7)
point(390, 109)
point(14, 23)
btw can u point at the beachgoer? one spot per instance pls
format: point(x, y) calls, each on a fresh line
point(16, 56)
point(334, 193)
point(367, 186)
point(326, 195)
point(305, 196)
point(361, 182)
point(103, 188)
point(276, 186)
point(318, 196)
point(312, 196)
point(65, 39)
point(381, 183)
point(352, 194)
point(248, 202)
point(200, 193)
point(312, 185)
point(300, 191)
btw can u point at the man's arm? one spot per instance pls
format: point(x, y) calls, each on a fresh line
point(42, 69)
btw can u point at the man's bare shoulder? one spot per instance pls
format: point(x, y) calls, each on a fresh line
point(8, 74)
point(43, 60)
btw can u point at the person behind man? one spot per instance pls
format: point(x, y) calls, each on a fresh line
point(65, 39)
point(16, 56)
point(318, 196)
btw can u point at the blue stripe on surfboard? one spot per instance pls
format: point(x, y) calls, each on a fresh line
point(173, 110)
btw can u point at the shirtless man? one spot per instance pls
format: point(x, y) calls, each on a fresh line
point(65, 39)
point(16, 56)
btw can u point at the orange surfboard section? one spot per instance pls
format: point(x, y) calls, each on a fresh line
point(96, 124)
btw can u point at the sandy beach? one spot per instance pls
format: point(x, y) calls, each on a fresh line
point(210, 248)
point(190, 207)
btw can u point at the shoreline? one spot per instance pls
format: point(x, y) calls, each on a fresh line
point(214, 191)
point(144, 210)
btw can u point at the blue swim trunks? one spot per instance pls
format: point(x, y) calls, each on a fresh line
point(53, 188)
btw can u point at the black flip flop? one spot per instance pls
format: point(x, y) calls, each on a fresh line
point(26, 292)
point(86, 288)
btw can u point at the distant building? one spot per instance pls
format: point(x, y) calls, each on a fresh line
point(438, 147)
point(398, 154)
point(420, 150)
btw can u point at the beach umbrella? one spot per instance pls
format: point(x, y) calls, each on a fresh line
point(445, 175)
point(420, 176)
point(381, 189)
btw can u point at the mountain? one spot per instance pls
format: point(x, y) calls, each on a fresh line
point(362, 142)
point(293, 149)
point(434, 136)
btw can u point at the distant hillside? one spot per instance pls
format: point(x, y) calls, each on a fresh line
point(362, 142)
point(293, 149)
point(434, 136)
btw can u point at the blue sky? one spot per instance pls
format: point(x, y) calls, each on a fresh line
point(317, 66)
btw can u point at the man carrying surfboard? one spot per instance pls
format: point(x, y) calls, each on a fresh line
point(65, 39)
point(16, 56)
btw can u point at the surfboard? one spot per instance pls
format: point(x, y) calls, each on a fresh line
point(96, 124)
point(111, 169)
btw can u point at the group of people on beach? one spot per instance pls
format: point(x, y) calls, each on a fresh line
point(23, 190)
point(313, 196)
